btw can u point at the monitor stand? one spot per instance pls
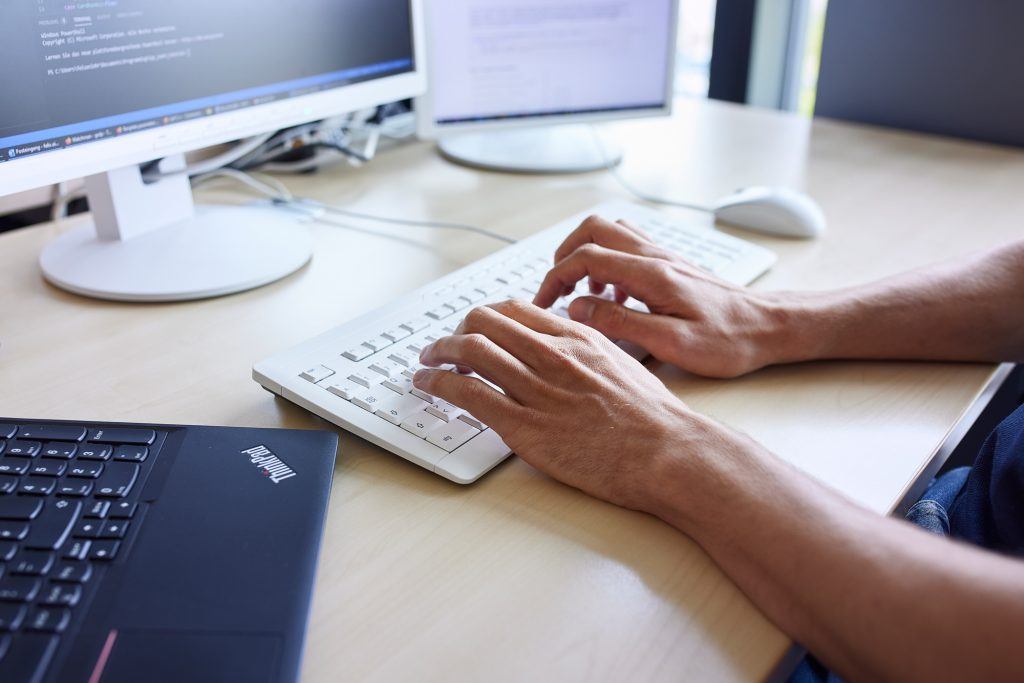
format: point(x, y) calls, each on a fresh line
point(550, 149)
point(148, 242)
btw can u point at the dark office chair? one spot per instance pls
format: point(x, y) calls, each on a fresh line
point(947, 67)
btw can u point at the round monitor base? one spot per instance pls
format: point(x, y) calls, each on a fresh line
point(551, 149)
point(222, 250)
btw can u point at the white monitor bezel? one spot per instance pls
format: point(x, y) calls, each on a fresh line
point(428, 128)
point(135, 148)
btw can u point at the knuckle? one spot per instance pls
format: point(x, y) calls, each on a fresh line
point(475, 344)
point(475, 318)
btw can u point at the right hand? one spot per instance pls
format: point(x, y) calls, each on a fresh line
point(696, 321)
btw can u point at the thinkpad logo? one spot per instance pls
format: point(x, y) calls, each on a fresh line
point(272, 467)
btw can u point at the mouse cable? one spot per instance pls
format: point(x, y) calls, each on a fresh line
point(611, 166)
point(279, 194)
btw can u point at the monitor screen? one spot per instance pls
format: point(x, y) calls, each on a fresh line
point(78, 71)
point(506, 59)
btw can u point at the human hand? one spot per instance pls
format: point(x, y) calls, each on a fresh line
point(696, 321)
point(574, 406)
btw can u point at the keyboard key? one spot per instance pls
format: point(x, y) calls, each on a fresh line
point(72, 571)
point(358, 353)
point(14, 465)
point(114, 528)
point(363, 379)
point(406, 360)
point(7, 431)
point(52, 433)
point(20, 508)
point(386, 368)
point(49, 619)
point(19, 589)
point(117, 480)
point(47, 469)
point(417, 346)
point(473, 422)
point(378, 343)
point(417, 324)
point(11, 616)
point(23, 449)
point(444, 410)
point(343, 389)
point(8, 549)
point(396, 334)
point(37, 486)
point(459, 303)
point(13, 531)
point(96, 509)
point(88, 528)
point(441, 312)
point(60, 451)
point(31, 563)
point(400, 385)
point(317, 373)
point(424, 396)
point(421, 424)
point(76, 489)
point(61, 595)
point(52, 527)
point(77, 549)
point(29, 657)
point(398, 408)
point(131, 453)
point(104, 550)
point(452, 435)
point(95, 451)
point(123, 510)
point(133, 435)
point(85, 470)
point(8, 484)
point(371, 399)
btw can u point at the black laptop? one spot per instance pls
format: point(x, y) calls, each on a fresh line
point(134, 553)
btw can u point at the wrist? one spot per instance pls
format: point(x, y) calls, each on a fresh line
point(798, 327)
point(703, 469)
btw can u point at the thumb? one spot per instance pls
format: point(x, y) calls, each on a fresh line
point(618, 322)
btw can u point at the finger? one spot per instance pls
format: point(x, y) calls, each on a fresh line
point(597, 288)
point(483, 356)
point(523, 342)
point(596, 230)
point(620, 296)
point(638, 276)
point(635, 228)
point(656, 333)
point(535, 318)
point(495, 409)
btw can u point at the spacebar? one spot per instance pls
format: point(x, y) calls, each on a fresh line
point(27, 659)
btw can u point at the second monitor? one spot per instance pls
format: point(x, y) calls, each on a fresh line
point(511, 81)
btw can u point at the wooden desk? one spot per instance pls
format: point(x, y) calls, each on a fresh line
point(517, 577)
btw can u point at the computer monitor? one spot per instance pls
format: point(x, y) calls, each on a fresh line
point(95, 89)
point(531, 67)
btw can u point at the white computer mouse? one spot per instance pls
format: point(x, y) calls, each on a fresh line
point(772, 210)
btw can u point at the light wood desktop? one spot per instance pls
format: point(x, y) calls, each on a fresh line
point(518, 577)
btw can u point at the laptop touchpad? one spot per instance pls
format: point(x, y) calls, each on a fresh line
point(189, 656)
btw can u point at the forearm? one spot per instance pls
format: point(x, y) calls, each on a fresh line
point(972, 310)
point(875, 597)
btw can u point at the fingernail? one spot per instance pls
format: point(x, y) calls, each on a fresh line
point(419, 377)
point(584, 310)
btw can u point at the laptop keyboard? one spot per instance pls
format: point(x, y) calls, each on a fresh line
point(68, 505)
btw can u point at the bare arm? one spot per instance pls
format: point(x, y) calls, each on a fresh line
point(878, 599)
point(972, 310)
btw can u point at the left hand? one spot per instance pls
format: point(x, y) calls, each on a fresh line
point(574, 406)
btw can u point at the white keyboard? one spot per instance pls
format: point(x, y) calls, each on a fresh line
point(359, 375)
